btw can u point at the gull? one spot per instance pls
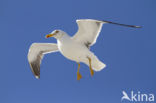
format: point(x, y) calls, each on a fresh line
point(75, 48)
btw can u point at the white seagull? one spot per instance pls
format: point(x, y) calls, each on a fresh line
point(76, 48)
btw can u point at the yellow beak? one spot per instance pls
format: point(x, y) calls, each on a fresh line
point(49, 35)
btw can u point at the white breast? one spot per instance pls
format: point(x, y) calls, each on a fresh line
point(71, 49)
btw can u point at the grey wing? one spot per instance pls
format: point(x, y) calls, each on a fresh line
point(36, 53)
point(88, 31)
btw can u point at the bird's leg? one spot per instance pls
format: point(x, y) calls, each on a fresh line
point(90, 67)
point(78, 73)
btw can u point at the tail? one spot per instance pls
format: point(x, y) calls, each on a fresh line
point(96, 64)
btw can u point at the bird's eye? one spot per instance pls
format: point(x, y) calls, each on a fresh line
point(56, 31)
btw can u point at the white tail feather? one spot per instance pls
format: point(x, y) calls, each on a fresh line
point(96, 64)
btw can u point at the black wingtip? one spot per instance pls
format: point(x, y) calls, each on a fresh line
point(35, 68)
point(133, 26)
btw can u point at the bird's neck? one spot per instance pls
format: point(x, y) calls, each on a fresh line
point(64, 38)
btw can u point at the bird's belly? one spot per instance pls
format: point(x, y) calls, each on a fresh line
point(73, 53)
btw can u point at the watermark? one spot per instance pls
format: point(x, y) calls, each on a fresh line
point(137, 96)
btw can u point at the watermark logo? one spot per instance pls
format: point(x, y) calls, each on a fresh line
point(137, 97)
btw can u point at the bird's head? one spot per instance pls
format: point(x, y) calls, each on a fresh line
point(56, 34)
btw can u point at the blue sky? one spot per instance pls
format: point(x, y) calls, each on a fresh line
point(129, 53)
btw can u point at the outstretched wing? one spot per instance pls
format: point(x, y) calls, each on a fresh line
point(36, 53)
point(88, 31)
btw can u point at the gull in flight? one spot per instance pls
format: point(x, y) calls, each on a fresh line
point(75, 48)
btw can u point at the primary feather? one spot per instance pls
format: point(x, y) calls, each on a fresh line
point(36, 53)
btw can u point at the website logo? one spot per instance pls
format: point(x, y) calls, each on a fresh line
point(137, 97)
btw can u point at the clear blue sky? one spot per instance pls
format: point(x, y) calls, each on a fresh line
point(130, 54)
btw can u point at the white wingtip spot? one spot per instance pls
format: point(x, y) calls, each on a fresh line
point(37, 77)
point(138, 26)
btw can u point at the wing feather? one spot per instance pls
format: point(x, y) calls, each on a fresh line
point(36, 53)
point(88, 31)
